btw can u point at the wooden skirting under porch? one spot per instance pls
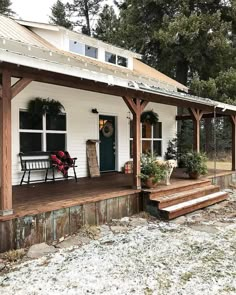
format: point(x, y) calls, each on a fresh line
point(45, 212)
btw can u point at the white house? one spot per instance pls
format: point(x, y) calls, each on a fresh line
point(100, 61)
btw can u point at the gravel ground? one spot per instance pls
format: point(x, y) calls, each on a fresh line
point(150, 258)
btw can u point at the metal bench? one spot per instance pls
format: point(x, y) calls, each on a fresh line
point(40, 161)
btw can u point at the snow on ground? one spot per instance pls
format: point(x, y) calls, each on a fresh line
point(157, 258)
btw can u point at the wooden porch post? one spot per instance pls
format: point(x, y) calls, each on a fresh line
point(5, 145)
point(233, 123)
point(196, 115)
point(136, 106)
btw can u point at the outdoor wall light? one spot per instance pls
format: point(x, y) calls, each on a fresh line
point(94, 111)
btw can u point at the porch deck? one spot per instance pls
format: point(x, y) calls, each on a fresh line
point(44, 197)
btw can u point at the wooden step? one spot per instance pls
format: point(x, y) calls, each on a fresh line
point(170, 200)
point(192, 205)
point(176, 188)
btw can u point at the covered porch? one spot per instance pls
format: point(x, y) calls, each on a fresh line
point(39, 198)
point(132, 89)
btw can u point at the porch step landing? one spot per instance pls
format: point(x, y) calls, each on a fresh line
point(169, 203)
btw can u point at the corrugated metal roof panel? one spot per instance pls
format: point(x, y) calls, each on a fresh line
point(10, 29)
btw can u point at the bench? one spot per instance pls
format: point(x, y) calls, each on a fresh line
point(40, 161)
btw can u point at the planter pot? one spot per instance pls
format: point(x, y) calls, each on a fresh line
point(194, 175)
point(149, 183)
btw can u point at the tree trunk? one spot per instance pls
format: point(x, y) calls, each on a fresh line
point(87, 18)
point(182, 71)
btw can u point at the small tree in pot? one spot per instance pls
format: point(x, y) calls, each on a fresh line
point(195, 164)
point(151, 171)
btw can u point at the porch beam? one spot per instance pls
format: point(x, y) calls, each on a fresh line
point(204, 116)
point(233, 124)
point(95, 86)
point(5, 145)
point(136, 106)
point(18, 87)
point(196, 116)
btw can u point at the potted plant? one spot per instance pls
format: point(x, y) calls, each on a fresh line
point(151, 171)
point(195, 164)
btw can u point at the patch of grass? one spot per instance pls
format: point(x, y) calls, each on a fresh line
point(185, 277)
point(14, 255)
point(91, 232)
point(219, 165)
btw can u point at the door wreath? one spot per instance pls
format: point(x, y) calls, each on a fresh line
point(108, 129)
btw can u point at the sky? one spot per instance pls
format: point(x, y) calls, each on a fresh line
point(36, 10)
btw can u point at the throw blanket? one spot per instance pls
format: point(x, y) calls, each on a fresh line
point(62, 161)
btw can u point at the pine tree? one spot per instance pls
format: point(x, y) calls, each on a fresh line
point(84, 13)
point(59, 16)
point(107, 25)
point(5, 8)
point(179, 37)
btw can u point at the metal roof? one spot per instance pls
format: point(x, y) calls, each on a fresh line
point(42, 57)
point(11, 30)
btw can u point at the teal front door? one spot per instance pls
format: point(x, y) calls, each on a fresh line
point(107, 143)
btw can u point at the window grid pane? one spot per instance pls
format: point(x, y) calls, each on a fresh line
point(91, 51)
point(27, 121)
point(56, 123)
point(110, 57)
point(56, 142)
point(30, 142)
point(157, 130)
point(122, 61)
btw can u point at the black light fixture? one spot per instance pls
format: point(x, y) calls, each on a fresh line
point(94, 111)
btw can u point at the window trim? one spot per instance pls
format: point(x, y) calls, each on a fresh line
point(84, 50)
point(152, 139)
point(43, 131)
point(116, 64)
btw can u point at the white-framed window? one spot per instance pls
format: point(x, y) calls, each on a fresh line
point(116, 59)
point(151, 139)
point(42, 133)
point(83, 49)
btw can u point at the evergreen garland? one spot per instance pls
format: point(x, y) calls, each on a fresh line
point(149, 117)
point(41, 106)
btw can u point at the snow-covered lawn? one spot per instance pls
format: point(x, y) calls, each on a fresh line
point(157, 258)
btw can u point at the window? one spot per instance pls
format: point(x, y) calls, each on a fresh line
point(110, 57)
point(151, 139)
point(122, 61)
point(44, 133)
point(116, 59)
point(91, 51)
point(83, 49)
point(77, 47)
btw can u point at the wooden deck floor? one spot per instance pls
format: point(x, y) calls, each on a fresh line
point(43, 197)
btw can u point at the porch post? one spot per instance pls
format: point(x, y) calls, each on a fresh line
point(233, 123)
point(196, 115)
point(136, 106)
point(5, 145)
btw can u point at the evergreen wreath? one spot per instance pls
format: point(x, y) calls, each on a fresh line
point(149, 117)
point(41, 106)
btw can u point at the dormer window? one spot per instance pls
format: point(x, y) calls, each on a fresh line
point(122, 61)
point(77, 47)
point(116, 59)
point(110, 57)
point(91, 51)
point(83, 49)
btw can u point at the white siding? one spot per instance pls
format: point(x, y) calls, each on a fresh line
point(83, 125)
point(55, 38)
